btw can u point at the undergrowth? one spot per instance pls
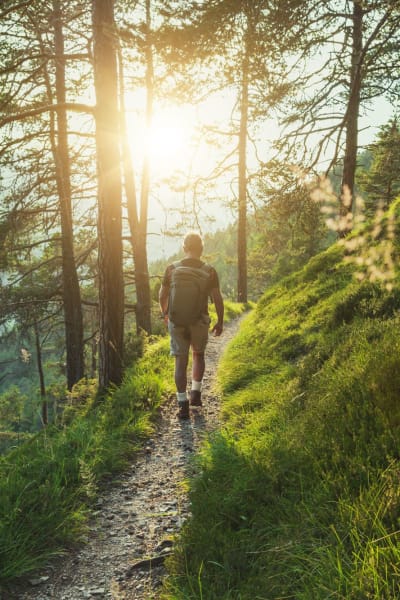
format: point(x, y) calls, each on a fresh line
point(298, 496)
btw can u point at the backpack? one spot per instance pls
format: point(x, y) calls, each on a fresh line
point(188, 293)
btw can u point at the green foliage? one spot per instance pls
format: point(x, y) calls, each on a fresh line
point(298, 495)
point(11, 405)
point(12, 439)
point(290, 227)
point(48, 484)
point(134, 346)
point(380, 182)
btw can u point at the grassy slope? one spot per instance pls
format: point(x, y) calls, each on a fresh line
point(48, 484)
point(298, 496)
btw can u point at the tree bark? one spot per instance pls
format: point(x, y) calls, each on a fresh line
point(42, 385)
point(353, 110)
point(138, 219)
point(70, 289)
point(111, 289)
point(242, 172)
point(143, 293)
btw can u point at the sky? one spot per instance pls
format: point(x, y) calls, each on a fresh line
point(176, 149)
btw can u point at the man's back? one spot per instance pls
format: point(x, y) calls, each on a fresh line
point(190, 283)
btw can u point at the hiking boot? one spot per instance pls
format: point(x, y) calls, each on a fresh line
point(183, 412)
point(195, 398)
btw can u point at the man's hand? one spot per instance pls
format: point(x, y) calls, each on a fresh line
point(219, 307)
point(217, 329)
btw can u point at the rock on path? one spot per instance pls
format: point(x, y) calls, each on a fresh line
point(135, 519)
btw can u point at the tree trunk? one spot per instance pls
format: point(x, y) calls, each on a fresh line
point(242, 200)
point(111, 289)
point(353, 109)
point(70, 290)
point(143, 293)
point(138, 220)
point(42, 385)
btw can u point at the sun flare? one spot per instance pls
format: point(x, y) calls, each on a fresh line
point(167, 142)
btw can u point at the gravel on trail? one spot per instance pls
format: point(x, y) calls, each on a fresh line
point(138, 514)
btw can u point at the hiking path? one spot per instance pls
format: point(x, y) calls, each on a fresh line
point(138, 514)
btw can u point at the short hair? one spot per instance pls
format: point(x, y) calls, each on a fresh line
point(193, 242)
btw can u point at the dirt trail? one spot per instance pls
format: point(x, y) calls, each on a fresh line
point(136, 518)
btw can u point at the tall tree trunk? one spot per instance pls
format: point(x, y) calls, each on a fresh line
point(138, 219)
point(111, 288)
point(39, 363)
point(70, 290)
point(353, 109)
point(242, 200)
point(143, 293)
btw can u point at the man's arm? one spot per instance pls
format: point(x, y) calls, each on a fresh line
point(163, 299)
point(219, 307)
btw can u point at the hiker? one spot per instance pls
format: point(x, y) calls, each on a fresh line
point(186, 286)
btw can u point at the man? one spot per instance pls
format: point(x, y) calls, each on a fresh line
point(193, 335)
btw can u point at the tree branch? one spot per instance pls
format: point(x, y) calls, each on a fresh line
point(75, 107)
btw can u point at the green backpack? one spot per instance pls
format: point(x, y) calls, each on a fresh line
point(188, 293)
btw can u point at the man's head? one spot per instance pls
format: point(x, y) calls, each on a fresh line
point(193, 245)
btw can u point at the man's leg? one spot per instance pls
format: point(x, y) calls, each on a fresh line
point(180, 345)
point(181, 363)
point(199, 334)
point(198, 366)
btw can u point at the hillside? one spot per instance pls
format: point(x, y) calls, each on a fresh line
point(298, 495)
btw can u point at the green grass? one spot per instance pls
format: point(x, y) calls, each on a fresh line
point(48, 484)
point(298, 495)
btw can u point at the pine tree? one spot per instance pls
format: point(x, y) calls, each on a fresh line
point(238, 46)
point(357, 44)
point(380, 184)
point(111, 287)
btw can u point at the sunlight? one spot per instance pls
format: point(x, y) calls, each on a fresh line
point(168, 143)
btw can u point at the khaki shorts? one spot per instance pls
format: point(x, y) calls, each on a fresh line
point(184, 337)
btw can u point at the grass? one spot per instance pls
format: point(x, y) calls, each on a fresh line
point(298, 495)
point(48, 484)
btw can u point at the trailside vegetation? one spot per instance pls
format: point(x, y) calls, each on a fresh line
point(49, 484)
point(298, 495)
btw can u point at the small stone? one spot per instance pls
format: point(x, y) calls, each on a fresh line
point(164, 546)
point(98, 591)
point(39, 580)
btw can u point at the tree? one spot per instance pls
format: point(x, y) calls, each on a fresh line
point(111, 288)
point(357, 43)
point(289, 227)
point(380, 183)
point(70, 288)
point(32, 310)
point(238, 46)
point(138, 215)
point(40, 201)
